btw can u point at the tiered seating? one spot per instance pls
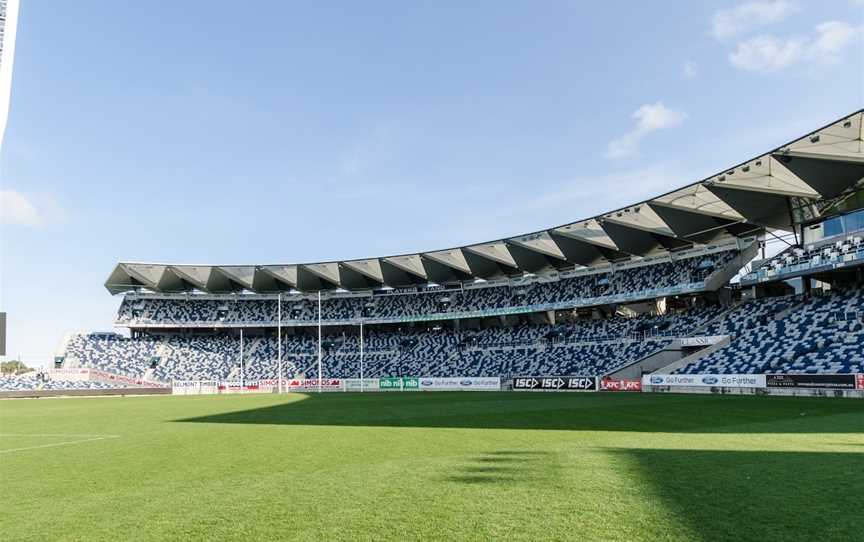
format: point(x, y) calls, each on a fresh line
point(801, 259)
point(573, 291)
point(586, 347)
point(824, 334)
point(113, 353)
point(30, 382)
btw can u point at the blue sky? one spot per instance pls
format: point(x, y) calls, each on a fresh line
point(284, 132)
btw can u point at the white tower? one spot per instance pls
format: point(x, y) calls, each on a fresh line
point(8, 27)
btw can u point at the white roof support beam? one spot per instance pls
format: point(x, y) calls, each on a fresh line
point(371, 268)
point(496, 251)
point(765, 175)
point(842, 139)
point(697, 198)
point(197, 275)
point(588, 231)
point(453, 258)
point(540, 242)
point(640, 217)
point(328, 271)
point(286, 274)
point(410, 264)
point(241, 274)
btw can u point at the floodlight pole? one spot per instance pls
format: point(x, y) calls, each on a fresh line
point(279, 339)
point(319, 341)
point(361, 356)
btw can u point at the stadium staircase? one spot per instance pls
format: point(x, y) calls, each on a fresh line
point(694, 357)
point(163, 351)
point(650, 363)
point(724, 341)
point(722, 276)
point(671, 357)
point(61, 351)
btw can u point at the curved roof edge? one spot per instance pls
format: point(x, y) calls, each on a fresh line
point(775, 190)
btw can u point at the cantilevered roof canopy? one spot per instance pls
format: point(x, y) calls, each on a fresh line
point(775, 190)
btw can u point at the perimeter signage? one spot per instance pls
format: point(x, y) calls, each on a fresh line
point(355, 384)
point(460, 383)
point(620, 385)
point(712, 381)
point(555, 383)
point(311, 384)
point(831, 382)
point(398, 383)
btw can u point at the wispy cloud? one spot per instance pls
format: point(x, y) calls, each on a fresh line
point(824, 47)
point(690, 69)
point(767, 53)
point(749, 16)
point(649, 118)
point(19, 209)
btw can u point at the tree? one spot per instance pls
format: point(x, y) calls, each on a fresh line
point(13, 367)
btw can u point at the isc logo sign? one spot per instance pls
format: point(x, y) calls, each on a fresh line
point(555, 383)
point(525, 383)
point(581, 383)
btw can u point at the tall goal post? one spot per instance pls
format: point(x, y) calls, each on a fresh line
point(279, 340)
point(242, 369)
point(319, 341)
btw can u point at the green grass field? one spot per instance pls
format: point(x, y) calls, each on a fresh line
point(433, 466)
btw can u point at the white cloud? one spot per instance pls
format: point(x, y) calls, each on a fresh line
point(690, 69)
point(769, 53)
point(748, 16)
point(832, 38)
point(649, 118)
point(19, 209)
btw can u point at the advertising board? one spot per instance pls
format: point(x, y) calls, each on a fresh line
point(353, 384)
point(620, 385)
point(398, 383)
point(821, 381)
point(713, 381)
point(555, 383)
point(311, 384)
point(460, 383)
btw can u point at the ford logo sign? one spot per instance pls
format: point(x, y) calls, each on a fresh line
point(710, 380)
point(656, 379)
point(427, 382)
point(465, 382)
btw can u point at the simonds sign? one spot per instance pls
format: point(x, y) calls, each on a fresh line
point(554, 383)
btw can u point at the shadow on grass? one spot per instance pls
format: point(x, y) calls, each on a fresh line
point(558, 411)
point(519, 468)
point(734, 495)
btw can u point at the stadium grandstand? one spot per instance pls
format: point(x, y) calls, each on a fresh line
point(649, 288)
